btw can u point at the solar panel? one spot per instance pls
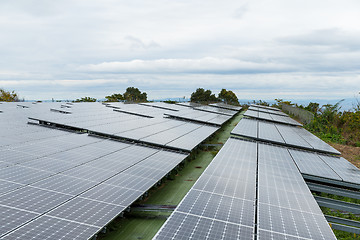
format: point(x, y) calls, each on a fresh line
point(285, 204)
point(11, 218)
point(247, 128)
point(269, 132)
point(226, 106)
point(271, 111)
point(6, 186)
point(22, 175)
point(33, 199)
point(265, 107)
point(271, 117)
point(187, 226)
point(281, 134)
point(87, 211)
point(310, 163)
point(221, 203)
point(347, 171)
point(49, 228)
point(65, 184)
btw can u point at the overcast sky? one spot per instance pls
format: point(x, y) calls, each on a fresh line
point(260, 49)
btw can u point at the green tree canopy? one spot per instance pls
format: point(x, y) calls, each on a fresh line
point(133, 94)
point(86, 99)
point(228, 97)
point(203, 96)
point(6, 96)
point(116, 97)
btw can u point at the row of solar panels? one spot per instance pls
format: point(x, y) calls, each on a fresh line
point(319, 163)
point(249, 189)
point(76, 181)
point(60, 185)
point(271, 117)
point(265, 110)
point(281, 134)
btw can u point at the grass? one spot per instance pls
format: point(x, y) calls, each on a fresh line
point(144, 225)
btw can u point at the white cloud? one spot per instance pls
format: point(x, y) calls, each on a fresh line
point(279, 47)
point(203, 65)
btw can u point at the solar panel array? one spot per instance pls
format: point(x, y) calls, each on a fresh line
point(82, 181)
point(271, 117)
point(248, 179)
point(61, 185)
point(281, 134)
point(159, 131)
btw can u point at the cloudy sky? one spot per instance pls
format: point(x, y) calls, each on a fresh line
point(260, 49)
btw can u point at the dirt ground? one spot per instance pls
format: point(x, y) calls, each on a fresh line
point(352, 154)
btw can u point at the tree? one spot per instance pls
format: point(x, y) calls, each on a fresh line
point(312, 107)
point(133, 94)
point(116, 97)
point(203, 96)
point(6, 96)
point(228, 97)
point(86, 99)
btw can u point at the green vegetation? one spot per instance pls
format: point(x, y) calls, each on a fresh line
point(228, 97)
point(6, 96)
point(332, 125)
point(132, 94)
point(144, 225)
point(203, 96)
point(86, 99)
point(206, 96)
point(116, 97)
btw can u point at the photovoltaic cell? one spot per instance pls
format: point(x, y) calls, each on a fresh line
point(22, 175)
point(33, 199)
point(65, 184)
point(6, 186)
point(12, 218)
point(87, 211)
point(112, 194)
point(49, 228)
point(186, 226)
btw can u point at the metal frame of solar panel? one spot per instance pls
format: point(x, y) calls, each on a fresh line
point(281, 134)
point(65, 188)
